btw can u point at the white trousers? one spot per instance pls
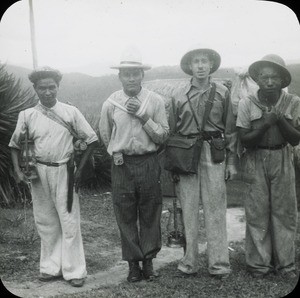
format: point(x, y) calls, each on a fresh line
point(61, 242)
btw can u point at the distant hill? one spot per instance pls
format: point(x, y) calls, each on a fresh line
point(88, 92)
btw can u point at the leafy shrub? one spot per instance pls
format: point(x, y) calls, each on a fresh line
point(13, 99)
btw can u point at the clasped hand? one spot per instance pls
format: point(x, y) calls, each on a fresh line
point(272, 116)
point(132, 105)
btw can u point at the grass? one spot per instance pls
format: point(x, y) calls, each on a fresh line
point(240, 284)
point(20, 247)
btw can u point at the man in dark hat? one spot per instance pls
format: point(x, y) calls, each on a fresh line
point(133, 124)
point(268, 123)
point(208, 186)
point(50, 124)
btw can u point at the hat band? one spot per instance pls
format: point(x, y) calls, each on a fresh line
point(131, 62)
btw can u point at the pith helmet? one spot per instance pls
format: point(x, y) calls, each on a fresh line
point(212, 54)
point(274, 61)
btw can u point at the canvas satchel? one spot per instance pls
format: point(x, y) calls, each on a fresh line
point(182, 153)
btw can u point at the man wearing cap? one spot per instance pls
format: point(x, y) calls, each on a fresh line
point(62, 251)
point(133, 124)
point(208, 186)
point(267, 122)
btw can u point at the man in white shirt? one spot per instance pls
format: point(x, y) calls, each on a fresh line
point(62, 251)
point(132, 126)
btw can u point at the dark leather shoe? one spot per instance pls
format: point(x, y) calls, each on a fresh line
point(135, 273)
point(77, 282)
point(48, 277)
point(148, 271)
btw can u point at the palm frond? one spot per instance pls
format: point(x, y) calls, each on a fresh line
point(13, 99)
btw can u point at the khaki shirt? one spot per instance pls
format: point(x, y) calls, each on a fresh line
point(250, 116)
point(52, 141)
point(124, 133)
point(221, 117)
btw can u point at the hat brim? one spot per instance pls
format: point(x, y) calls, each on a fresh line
point(212, 54)
point(131, 66)
point(284, 73)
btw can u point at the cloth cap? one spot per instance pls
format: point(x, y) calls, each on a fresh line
point(43, 73)
point(131, 58)
point(212, 54)
point(273, 61)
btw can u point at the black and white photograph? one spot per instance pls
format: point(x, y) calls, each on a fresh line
point(149, 148)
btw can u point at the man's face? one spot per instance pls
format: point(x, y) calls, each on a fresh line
point(131, 80)
point(46, 90)
point(269, 80)
point(200, 66)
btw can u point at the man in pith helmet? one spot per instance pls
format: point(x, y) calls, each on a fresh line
point(269, 124)
point(208, 185)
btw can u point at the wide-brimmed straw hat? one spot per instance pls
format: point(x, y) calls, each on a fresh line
point(131, 58)
point(43, 73)
point(212, 54)
point(274, 61)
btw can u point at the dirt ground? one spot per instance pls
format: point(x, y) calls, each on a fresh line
point(20, 246)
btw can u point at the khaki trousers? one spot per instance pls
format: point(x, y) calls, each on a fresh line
point(61, 242)
point(271, 210)
point(208, 187)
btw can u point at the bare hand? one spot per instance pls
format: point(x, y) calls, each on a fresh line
point(133, 105)
point(230, 172)
point(270, 117)
point(21, 177)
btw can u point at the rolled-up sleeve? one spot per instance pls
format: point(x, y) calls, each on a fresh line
point(105, 123)
point(230, 132)
point(243, 115)
point(19, 132)
point(295, 111)
point(83, 128)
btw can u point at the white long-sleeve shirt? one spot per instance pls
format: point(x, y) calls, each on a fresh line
point(52, 141)
point(123, 132)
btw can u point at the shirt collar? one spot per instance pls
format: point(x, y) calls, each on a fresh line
point(39, 102)
point(140, 96)
point(194, 86)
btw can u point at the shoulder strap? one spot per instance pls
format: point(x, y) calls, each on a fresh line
point(263, 108)
point(117, 104)
point(208, 106)
point(284, 105)
point(141, 109)
point(56, 118)
point(288, 99)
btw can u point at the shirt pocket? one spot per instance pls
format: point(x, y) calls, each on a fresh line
point(256, 118)
point(217, 110)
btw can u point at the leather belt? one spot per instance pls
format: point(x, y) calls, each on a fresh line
point(276, 147)
point(207, 135)
point(49, 163)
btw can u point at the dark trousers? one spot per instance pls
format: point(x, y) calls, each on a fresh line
point(137, 203)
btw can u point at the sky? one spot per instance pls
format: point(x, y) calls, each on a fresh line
point(90, 35)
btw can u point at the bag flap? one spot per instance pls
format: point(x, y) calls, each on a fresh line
point(219, 144)
point(181, 142)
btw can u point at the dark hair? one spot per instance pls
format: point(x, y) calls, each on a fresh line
point(35, 76)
